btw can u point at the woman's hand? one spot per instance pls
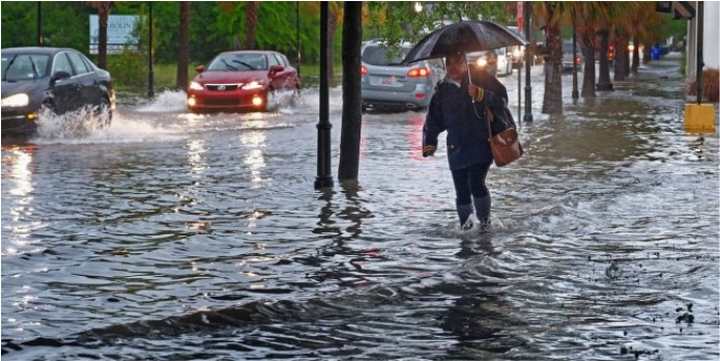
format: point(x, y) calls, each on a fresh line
point(428, 150)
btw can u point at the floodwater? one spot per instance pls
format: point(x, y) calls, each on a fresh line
point(173, 236)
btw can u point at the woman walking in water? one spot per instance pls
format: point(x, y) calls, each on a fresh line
point(458, 107)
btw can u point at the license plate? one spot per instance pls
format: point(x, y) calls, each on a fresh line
point(388, 81)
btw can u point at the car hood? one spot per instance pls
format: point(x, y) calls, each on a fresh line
point(14, 87)
point(230, 76)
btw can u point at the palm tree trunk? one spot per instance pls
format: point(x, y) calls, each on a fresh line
point(332, 27)
point(604, 83)
point(588, 50)
point(621, 58)
point(552, 99)
point(646, 54)
point(251, 8)
point(635, 55)
point(183, 46)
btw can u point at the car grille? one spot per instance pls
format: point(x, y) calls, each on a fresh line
point(222, 87)
point(221, 101)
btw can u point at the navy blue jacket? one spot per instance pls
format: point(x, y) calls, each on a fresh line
point(451, 109)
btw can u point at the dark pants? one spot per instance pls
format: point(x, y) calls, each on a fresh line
point(470, 181)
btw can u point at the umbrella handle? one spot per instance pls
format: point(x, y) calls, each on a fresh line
point(467, 67)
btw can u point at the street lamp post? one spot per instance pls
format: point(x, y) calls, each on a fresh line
point(297, 35)
point(323, 179)
point(39, 24)
point(528, 89)
point(151, 76)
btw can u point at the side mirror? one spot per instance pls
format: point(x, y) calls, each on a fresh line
point(61, 75)
point(200, 68)
point(276, 69)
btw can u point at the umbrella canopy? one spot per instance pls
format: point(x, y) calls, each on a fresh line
point(463, 37)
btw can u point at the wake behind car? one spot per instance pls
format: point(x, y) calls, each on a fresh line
point(241, 81)
point(60, 79)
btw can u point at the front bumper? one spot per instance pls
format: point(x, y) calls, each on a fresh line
point(233, 100)
point(19, 122)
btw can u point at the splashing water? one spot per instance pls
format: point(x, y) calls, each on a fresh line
point(167, 101)
point(87, 126)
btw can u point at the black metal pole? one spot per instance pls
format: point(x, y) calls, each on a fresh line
point(323, 180)
point(528, 61)
point(297, 35)
point(39, 24)
point(519, 113)
point(699, 62)
point(575, 93)
point(151, 76)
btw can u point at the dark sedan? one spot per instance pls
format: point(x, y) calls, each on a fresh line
point(58, 78)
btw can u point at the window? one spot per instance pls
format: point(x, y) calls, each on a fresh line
point(273, 59)
point(380, 55)
point(239, 62)
point(88, 64)
point(24, 67)
point(77, 63)
point(62, 64)
point(284, 60)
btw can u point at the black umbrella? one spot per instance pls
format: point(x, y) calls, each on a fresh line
point(463, 37)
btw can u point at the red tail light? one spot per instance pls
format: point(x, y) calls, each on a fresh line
point(418, 72)
point(363, 70)
point(577, 60)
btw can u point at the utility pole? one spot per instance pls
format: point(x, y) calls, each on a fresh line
point(528, 61)
point(323, 179)
point(151, 76)
point(699, 62)
point(352, 103)
point(39, 24)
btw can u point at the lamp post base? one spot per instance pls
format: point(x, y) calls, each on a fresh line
point(323, 182)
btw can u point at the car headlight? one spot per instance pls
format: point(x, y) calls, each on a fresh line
point(17, 100)
point(195, 85)
point(481, 62)
point(253, 85)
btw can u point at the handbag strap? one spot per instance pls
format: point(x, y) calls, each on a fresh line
point(488, 118)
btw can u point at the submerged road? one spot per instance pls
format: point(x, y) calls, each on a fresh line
point(173, 236)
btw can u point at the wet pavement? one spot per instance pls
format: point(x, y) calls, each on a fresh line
point(173, 236)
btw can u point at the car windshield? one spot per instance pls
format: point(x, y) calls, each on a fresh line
point(379, 55)
point(239, 62)
point(16, 67)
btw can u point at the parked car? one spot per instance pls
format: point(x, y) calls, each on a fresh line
point(387, 85)
point(241, 81)
point(60, 79)
point(567, 59)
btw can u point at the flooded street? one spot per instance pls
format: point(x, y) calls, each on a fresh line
point(173, 236)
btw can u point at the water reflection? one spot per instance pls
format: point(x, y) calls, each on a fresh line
point(19, 161)
point(254, 158)
point(196, 157)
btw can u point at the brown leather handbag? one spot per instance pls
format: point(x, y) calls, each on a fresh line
point(505, 145)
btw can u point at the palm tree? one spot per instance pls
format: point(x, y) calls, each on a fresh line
point(550, 15)
point(183, 46)
point(623, 24)
point(251, 11)
point(103, 10)
point(589, 15)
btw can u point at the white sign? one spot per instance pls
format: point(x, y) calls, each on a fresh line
point(119, 33)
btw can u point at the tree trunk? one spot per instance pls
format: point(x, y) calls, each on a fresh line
point(621, 44)
point(646, 54)
point(183, 46)
point(352, 104)
point(251, 8)
point(635, 56)
point(604, 83)
point(103, 13)
point(332, 27)
point(588, 86)
point(552, 99)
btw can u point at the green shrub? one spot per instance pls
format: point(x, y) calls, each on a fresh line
point(128, 70)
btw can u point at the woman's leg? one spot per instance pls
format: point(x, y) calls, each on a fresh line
point(463, 202)
point(476, 179)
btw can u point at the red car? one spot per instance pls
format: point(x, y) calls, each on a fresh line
point(241, 81)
